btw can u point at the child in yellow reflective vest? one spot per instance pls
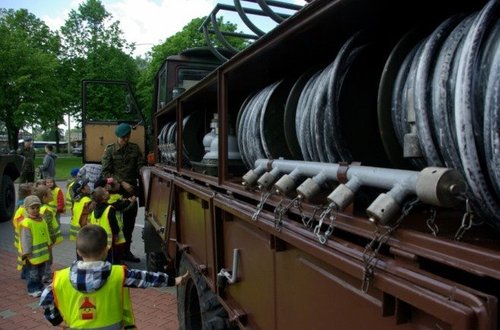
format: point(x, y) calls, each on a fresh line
point(45, 196)
point(120, 204)
point(104, 215)
point(57, 203)
point(34, 245)
point(25, 189)
point(68, 195)
point(99, 296)
point(81, 207)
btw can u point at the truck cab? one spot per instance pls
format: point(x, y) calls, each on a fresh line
point(180, 72)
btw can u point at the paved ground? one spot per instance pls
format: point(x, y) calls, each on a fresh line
point(154, 308)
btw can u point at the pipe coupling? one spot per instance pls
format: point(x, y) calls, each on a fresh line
point(309, 188)
point(285, 184)
point(383, 209)
point(266, 180)
point(342, 196)
point(440, 186)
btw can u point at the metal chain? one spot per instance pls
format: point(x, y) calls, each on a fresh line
point(279, 211)
point(260, 206)
point(467, 221)
point(297, 203)
point(309, 223)
point(371, 253)
point(431, 222)
point(322, 238)
point(333, 218)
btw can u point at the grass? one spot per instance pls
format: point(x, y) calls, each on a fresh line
point(64, 164)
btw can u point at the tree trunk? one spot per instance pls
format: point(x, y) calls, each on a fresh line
point(12, 136)
point(56, 130)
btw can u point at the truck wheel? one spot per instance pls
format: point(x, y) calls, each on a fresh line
point(7, 198)
point(197, 306)
point(156, 261)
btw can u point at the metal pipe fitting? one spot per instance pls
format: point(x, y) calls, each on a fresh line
point(251, 177)
point(312, 186)
point(287, 182)
point(433, 185)
point(386, 206)
point(343, 195)
point(383, 209)
point(440, 186)
point(268, 178)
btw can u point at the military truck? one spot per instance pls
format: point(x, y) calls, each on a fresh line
point(10, 170)
point(339, 173)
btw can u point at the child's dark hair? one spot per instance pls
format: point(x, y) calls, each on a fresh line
point(42, 191)
point(99, 195)
point(40, 182)
point(53, 180)
point(25, 189)
point(49, 147)
point(91, 241)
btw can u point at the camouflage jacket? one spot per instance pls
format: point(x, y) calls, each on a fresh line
point(122, 163)
point(29, 158)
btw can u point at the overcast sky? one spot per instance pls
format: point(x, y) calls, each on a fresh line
point(144, 22)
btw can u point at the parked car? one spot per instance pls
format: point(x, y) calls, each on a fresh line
point(77, 151)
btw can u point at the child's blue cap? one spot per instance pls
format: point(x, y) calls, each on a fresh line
point(74, 172)
point(78, 185)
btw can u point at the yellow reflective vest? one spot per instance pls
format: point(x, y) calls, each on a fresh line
point(107, 308)
point(74, 225)
point(53, 203)
point(54, 228)
point(68, 197)
point(41, 240)
point(103, 221)
point(113, 198)
point(18, 217)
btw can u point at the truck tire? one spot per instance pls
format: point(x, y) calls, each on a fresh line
point(7, 198)
point(156, 262)
point(198, 307)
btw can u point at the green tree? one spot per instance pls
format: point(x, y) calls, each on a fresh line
point(29, 85)
point(93, 48)
point(89, 28)
point(52, 135)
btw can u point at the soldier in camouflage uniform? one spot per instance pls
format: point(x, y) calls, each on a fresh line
point(28, 152)
point(122, 161)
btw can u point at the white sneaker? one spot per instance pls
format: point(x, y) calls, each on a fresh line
point(35, 294)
